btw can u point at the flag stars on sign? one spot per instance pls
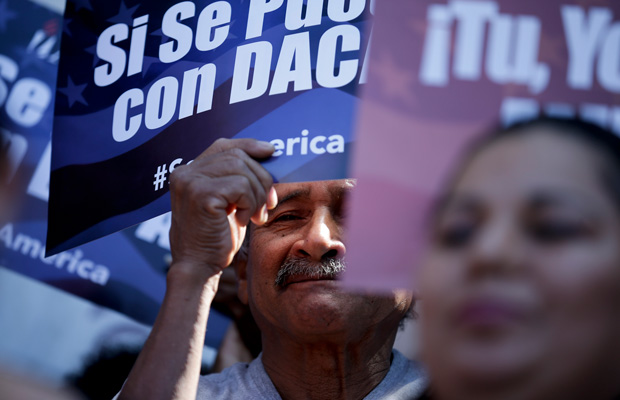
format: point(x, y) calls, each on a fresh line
point(125, 15)
point(159, 33)
point(65, 27)
point(73, 92)
point(79, 4)
point(93, 50)
point(146, 64)
point(28, 58)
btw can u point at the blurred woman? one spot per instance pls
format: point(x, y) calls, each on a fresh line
point(521, 285)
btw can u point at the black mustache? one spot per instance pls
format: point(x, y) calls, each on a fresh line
point(327, 268)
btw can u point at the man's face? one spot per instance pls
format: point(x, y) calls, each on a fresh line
point(306, 226)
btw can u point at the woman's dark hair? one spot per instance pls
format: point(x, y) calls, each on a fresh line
point(603, 141)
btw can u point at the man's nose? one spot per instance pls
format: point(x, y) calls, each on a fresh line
point(496, 250)
point(322, 238)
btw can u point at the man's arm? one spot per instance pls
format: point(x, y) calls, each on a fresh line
point(213, 200)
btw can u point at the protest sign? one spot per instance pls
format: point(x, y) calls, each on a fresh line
point(146, 86)
point(124, 271)
point(442, 72)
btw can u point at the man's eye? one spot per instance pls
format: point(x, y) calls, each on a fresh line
point(555, 231)
point(286, 218)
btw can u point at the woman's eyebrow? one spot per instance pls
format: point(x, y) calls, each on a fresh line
point(456, 201)
point(453, 202)
point(554, 197)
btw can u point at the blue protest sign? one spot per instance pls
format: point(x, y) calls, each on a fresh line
point(146, 86)
point(124, 271)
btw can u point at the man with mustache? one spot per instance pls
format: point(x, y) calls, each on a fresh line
point(319, 342)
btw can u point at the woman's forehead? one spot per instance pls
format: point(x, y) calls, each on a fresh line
point(540, 154)
point(528, 165)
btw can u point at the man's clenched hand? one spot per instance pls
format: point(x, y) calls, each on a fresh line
point(214, 199)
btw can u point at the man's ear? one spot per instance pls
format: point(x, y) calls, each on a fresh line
point(240, 265)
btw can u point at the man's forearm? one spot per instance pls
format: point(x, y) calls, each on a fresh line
point(169, 365)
